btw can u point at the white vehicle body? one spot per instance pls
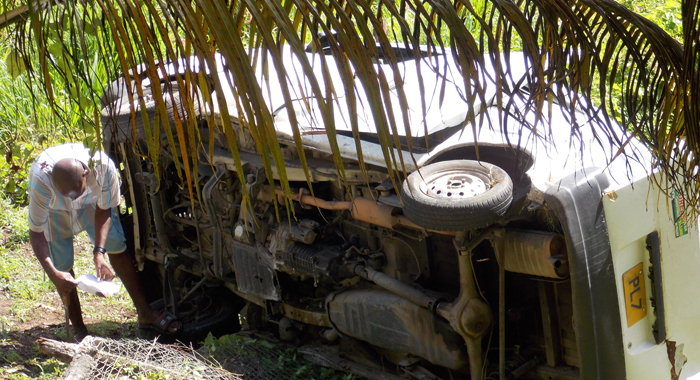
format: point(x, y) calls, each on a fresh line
point(614, 218)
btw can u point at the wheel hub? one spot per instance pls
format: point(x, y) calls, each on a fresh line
point(451, 185)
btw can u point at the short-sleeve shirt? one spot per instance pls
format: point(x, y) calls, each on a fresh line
point(59, 217)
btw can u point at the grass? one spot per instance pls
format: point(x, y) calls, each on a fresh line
point(30, 307)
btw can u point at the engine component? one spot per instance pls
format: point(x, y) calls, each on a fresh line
point(287, 234)
point(254, 276)
point(314, 260)
point(392, 322)
point(533, 252)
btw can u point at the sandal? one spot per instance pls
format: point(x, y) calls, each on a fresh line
point(159, 327)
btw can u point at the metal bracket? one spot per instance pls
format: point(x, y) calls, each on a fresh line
point(657, 291)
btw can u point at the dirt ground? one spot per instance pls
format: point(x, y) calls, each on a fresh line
point(44, 318)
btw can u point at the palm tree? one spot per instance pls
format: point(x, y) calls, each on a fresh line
point(638, 74)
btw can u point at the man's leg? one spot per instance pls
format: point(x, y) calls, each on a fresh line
point(61, 253)
point(75, 314)
point(125, 268)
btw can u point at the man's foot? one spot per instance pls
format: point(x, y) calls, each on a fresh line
point(165, 324)
point(79, 333)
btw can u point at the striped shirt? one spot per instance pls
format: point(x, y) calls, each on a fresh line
point(59, 217)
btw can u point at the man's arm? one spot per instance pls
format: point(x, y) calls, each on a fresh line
point(103, 218)
point(64, 282)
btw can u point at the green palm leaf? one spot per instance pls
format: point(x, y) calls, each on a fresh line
point(633, 71)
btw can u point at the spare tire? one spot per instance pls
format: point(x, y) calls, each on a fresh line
point(117, 121)
point(117, 90)
point(457, 195)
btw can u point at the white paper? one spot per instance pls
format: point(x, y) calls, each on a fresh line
point(89, 283)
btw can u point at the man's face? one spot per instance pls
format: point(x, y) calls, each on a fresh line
point(78, 189)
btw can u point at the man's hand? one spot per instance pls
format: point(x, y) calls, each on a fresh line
point(64, 282)
point(104, 272)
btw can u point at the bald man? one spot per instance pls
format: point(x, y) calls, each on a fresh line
point(70, 192)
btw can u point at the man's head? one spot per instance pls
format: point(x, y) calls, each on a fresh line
point(69, 177)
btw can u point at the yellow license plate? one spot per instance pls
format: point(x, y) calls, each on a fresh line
point(635, 294)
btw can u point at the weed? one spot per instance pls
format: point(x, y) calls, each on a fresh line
point(270, 358)
point(49, 368)
point(132, 372)
point(13, 219)
point(12, 357)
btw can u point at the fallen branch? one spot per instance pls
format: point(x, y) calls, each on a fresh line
point(62, 351)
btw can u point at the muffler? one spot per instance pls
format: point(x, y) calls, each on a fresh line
point(535, 253)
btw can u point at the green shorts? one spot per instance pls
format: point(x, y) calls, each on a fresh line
point(62, 250)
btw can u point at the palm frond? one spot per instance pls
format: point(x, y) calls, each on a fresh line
point(631, 70)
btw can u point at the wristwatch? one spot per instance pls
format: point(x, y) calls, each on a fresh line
point(100, 250)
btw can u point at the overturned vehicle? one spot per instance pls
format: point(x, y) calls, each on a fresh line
point(531, 255)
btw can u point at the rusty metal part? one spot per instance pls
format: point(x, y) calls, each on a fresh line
point(362, 209)
point(397, 287)
point(389, 321)
point(315, 318)
point(533, 252)
point(676, 358)
point(469, 315)
point(307, 200)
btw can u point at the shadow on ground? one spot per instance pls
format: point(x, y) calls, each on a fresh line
point(19, 351)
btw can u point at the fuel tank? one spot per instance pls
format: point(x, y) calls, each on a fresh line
point(389, 321)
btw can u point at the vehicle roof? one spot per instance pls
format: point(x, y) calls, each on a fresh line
point(555, 149)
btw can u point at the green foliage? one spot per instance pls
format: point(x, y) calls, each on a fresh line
point(133, 372)
point(27, 124)
point(32, 286)
point(664, 13)
point(14, 166)
point(13, 220)
point(270, 357)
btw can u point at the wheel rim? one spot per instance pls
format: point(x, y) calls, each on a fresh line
point(199, 308)
point(454, 185)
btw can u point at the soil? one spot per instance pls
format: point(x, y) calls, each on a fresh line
point(46, 319)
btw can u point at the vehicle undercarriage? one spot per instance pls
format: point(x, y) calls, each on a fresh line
point(385, 275)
